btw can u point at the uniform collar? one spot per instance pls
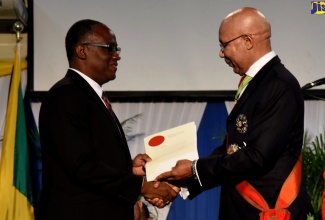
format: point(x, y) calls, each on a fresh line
point(257, 66)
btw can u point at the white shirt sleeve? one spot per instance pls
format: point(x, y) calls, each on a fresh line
point(184, 193)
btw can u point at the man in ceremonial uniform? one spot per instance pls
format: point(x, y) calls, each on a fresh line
point(264, 132)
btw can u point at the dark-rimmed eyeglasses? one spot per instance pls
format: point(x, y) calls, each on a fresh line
point(224, 45)
point(111, 49)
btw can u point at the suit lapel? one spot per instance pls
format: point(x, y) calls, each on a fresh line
point(83, 84)
point(252, 86)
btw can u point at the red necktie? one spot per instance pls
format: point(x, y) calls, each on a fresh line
point(107, 103)
point(110, 110)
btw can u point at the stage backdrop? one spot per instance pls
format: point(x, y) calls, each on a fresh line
point(210, 119)
point(174, 45)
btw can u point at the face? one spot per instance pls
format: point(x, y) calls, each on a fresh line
point(233, 50)
point(102, 65)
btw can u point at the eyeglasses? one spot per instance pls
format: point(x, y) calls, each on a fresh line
point(111, 49)
point(224, 45)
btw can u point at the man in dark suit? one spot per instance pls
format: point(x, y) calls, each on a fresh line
point(88, 172)
point(264, 129)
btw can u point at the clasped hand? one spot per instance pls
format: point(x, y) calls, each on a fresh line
point(181, 171)
point(158, 195)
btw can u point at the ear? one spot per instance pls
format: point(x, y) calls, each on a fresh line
point(81, 52)
point(249, 42)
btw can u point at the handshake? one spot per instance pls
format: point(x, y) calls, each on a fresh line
point(162, 193)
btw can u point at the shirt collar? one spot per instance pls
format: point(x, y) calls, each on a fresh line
point(98, 89)
point(253, 70)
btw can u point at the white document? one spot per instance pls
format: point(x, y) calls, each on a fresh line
point(167, 147)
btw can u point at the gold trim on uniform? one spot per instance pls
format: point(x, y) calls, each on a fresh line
point(242, 124)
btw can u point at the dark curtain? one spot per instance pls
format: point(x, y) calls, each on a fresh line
point(211, 133)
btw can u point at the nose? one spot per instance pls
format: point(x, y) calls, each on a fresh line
point(221, 54)
point(116, 56)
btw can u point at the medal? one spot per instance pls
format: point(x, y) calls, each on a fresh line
point(232, 148)
point(242, 124)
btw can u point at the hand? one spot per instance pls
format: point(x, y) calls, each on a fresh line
point(159, 203)
point(139, 163)
point(164, 192)
point(140, 211)
point(175, 185)
point(182, 170)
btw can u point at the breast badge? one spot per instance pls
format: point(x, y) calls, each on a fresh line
point(232, 148)
point(242, 124)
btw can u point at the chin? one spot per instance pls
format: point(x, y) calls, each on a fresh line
point(237, 71)
point(111, 76)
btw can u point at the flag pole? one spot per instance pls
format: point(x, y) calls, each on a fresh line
point(18, 27)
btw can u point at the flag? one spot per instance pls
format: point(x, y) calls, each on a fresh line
point(6, 67)
point(16, 201)
point(34, 149)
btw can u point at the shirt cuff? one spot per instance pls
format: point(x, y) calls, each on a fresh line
point(184, 193)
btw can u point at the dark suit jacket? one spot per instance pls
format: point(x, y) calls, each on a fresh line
point(267, 123)
point(87, 167)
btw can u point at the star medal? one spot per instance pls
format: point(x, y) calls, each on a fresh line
point(241, 124)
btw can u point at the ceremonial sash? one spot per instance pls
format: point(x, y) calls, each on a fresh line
point(288, 194)
point(323, 205)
